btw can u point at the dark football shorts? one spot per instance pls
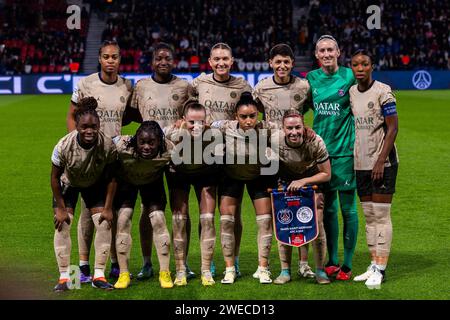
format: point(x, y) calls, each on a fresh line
point(366, 186)
point(256, 188)
point(152, 194)
point(183, 181)
point(94, 196)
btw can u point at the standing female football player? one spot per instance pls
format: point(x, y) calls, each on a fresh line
point(159, 98)
point(302, 162)
point(278, 94)
point(333, 121)
point(376, 162)
point(81, 164)
point(219, 92)
point(113, 94)
point(243, 141)
point(142, 161)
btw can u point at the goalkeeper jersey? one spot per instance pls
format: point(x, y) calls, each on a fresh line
point(333, 119)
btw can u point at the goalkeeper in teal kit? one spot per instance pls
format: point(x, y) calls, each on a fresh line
point(333, 121)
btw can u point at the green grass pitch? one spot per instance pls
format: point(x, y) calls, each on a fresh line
point(30, 126)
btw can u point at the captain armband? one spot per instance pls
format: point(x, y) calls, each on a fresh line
point(389, 109)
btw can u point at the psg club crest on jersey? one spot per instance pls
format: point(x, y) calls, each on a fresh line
point(341, 92)
point(295, 219)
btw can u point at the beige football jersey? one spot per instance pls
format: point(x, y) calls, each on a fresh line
point(136, 170)
point(83, 168)
point(161, 102)
point(367, 108)
point(277, 98)
point(219, 98)
point(244, 145)
point(112, 100)
point(188, 157)
point(301, 162)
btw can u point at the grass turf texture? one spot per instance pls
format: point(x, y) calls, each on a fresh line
point(31, 126)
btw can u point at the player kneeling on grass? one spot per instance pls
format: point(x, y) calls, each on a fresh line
point(376, 162)
point(306, 161)
point(188, 136)
point(142, 160)
point(81, 163)
point(237, 175)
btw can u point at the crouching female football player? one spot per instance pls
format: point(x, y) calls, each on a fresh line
point(142, 160)
point(81, 163)
point(376, 162)
point(238, 142)
point(302, 162)
point(192, 170)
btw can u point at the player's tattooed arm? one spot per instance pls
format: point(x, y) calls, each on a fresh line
point(60, 211)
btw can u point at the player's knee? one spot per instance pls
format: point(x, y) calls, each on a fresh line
point(264, 222)
point(158, 221)
point(124, 220)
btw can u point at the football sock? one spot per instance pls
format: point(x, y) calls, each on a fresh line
point(331, 225)
point(162, 238)
point(179, 240)
point(207, 239)
point(350, 218)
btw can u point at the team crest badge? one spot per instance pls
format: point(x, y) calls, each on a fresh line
point(370, 105)
point(297, 97)
point(233, 94)
point(341, 92)
point(304, 214)
point(175, 97)
point(122, 99)
point(285, 216)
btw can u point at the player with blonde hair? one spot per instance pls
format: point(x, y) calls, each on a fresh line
point(219, 92)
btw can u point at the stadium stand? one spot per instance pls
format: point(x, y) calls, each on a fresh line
point(34, 38)
point(414, 33)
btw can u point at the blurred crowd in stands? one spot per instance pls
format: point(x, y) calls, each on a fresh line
point(34, 38)
point(414, 34)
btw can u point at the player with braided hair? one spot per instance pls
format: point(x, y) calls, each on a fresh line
point(81, 163)
point(142, 160)
point(159, 97)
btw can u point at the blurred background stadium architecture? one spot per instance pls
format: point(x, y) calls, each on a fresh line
point(42, 60)
point(34, 38)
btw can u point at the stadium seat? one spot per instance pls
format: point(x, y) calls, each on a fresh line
point(35, 68)
point(51, 68)
point(43, 68)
